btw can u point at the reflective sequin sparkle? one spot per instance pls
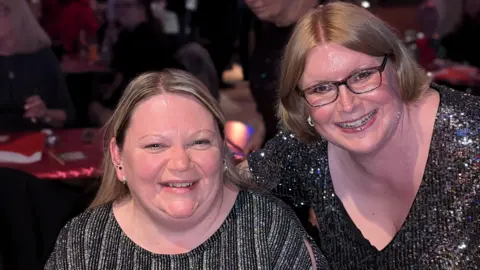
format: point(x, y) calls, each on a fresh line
point(442, 230)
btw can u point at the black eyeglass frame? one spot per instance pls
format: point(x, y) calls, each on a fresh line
point(337, 84)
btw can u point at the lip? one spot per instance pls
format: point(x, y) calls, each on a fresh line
point(179, 190)
point(361, 128)
point(353, 120)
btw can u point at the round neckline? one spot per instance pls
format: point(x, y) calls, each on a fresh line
point(194, 252)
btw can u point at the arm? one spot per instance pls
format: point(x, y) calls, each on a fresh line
point(58, 258)
point(279, 168)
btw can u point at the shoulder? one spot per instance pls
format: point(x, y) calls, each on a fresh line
point(276, 227)
point(80, 238)
point(458, 105)
point(286, 146)
point(90, 223)
point(48, 61)
point(458, 120)
point(270, 210)
point(456, 140)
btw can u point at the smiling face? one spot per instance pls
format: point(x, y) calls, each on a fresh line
point(172, 157)
point(359, 123)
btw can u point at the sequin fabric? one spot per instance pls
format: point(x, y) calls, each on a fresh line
point(442, 230)
point(259, 233)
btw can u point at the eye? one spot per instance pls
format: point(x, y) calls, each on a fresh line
point(155, 146)
point(201, 144)
point(362, 75)
point(322, 88)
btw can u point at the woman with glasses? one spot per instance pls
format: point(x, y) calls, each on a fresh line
point(387, 160)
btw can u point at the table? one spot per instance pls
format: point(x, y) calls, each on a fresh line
point(70, 140)
point(458, 76)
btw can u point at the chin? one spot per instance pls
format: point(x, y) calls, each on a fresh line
point(361, 149)
point(178, 209)
point(361, 146)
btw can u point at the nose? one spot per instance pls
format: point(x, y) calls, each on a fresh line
point(179, 159)
point(346, 99)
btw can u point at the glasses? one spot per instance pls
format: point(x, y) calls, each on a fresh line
point(360, 82)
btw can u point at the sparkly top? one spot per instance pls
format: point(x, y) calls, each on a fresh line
point(259, 233)
point(442, 229)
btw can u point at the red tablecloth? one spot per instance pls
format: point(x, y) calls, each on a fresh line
point(69, 141)
point(459, 74)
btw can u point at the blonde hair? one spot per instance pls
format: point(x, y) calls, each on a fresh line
point(354, 28)
point(28, 35)
point(140, 89)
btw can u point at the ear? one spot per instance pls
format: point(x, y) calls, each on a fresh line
point(116, 155)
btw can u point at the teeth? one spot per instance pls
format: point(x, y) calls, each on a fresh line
point(359, 122)
point(180, 185)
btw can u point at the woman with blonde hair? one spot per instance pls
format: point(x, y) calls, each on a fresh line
point(388, 161)
point(170, 197)
point(33, 91)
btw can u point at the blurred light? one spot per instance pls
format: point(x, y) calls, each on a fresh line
point(365, 4)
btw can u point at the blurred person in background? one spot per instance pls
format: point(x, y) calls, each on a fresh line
point(271, 36)
point(33, 93)
point(71, 24)
point(143, 46)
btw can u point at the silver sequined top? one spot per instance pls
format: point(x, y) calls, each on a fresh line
point(442, 230)
point(259, 233)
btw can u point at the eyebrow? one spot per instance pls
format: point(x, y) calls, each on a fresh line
point(317, 82)
point(156, 135)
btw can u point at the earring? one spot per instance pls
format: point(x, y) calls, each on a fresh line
point(119, 166)
point(309, 120)
point(124, 180)
point(225, 165)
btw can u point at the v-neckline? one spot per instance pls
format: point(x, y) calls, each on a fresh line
point(418, 196)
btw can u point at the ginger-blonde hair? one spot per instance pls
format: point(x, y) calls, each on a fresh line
point(354, 28)
point(140, 89)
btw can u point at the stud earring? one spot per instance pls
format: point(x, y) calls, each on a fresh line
point(309, 120)
point(119, 166)
point(124, 180)
point(225, 165)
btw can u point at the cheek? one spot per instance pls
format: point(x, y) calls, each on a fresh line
point(210, 162)
point(321, 116)
point(145, 166)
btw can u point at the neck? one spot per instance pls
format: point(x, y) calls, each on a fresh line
point(295, 11)
point(162, 237)
point(388, 168)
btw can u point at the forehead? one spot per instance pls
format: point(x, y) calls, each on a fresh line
point(334, 62)
point(167, 112)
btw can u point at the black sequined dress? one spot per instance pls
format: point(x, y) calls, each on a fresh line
point(442, 229)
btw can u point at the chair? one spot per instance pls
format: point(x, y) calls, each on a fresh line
point(32, 213)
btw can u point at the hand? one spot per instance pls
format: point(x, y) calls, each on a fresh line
point(35, 108)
